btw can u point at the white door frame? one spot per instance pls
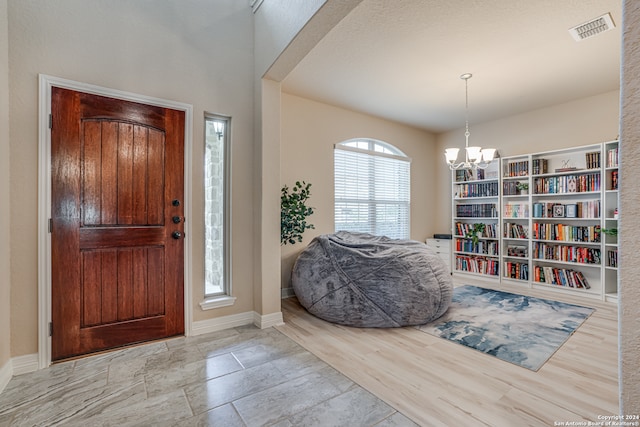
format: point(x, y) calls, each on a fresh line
point(44, 197)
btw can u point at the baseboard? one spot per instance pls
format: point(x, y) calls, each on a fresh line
point(286, 293)
point(25, 364)
point(267, 320)
point(6, 371)
point(241, 319)
point(219, 323)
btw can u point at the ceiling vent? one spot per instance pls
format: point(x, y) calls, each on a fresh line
point(595, 26)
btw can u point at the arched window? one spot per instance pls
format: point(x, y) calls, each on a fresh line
point(372, 190)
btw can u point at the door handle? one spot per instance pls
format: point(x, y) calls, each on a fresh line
point(176, 235)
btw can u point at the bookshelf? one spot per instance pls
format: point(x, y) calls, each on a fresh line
point(516, 211)
point(545, 228)
point(566, 202)
point(611, 203)
point(476, 196)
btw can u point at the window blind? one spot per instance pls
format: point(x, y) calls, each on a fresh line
point(372, 192)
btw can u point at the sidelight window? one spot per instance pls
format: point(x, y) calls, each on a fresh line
point(217, 209)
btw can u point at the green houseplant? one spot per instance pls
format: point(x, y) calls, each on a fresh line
point(294, 212)
point(523, 187)
point(476, 232)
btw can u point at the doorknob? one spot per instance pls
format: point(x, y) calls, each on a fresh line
point(176, 235)
point(175, 202)
point(176, 220)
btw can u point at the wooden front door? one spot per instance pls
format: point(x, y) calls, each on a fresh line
point(117, 226)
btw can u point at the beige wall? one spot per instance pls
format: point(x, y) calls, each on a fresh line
point(309, 131)
point(581, 122)
point(196, 52)
point(629, 308)
point(5, 277)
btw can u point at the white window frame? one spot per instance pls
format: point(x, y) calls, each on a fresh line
point(373, 148)
point(225, 297)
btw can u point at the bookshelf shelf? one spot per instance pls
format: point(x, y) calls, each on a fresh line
point(568, 263)
point(552, 224)
point(477, 198)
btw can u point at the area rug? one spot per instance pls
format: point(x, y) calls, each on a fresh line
point(519, 329)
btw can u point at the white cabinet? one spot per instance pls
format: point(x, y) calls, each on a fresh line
point(443, 248)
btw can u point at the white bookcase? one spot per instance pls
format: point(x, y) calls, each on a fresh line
point(547, 227)
point(611, 203)
point(476, 199)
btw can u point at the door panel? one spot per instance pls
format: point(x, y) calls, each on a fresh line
point(117, 271)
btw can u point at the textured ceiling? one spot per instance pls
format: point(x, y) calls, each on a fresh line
point(402, 59)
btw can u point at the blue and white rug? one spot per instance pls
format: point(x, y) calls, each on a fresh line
point(519, 329)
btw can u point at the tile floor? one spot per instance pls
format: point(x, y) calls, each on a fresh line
point(238, 377)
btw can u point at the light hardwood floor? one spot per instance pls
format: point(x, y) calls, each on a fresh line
point(439, 383)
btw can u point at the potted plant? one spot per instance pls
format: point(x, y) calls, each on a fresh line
point(476, 232)
point(523, 187)
point(294, 212)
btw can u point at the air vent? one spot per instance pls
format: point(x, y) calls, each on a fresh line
point(595, 26)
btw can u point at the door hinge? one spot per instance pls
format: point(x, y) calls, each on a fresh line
point(50, 225)
point(50, 121)
point(50, 329)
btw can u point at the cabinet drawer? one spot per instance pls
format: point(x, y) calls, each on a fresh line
point(439, 244)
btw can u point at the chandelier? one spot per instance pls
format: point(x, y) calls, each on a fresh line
point(474, 157)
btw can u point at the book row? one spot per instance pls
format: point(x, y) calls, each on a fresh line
point(478, 189)
point(477, 265)
point(560, 276)
point(614, 180)
point(539, 166)
point(567, 184)
point(512, 188)
point(516, 270)
point(589, 209)
point(612, 258)
point(516, 210)
point(463, 229)
point(463, 175)
point(612, 158)
point(517, 251)
point(566, 233)
point(564, 253)
point(515, 231)
point(478, 210)
point(482, 247)
point(592, 159)
point(520, 168)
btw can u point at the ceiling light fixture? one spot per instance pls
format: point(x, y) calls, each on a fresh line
point(475, 157)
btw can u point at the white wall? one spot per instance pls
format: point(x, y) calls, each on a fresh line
point(287, 29)
point(5, 191)
point(581, 122)
point(284, 32)
point(309, 131)
point(277, 22)
point(197, 52)
point(629, 292)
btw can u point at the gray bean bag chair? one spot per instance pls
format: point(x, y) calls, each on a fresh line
point(358, 279)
